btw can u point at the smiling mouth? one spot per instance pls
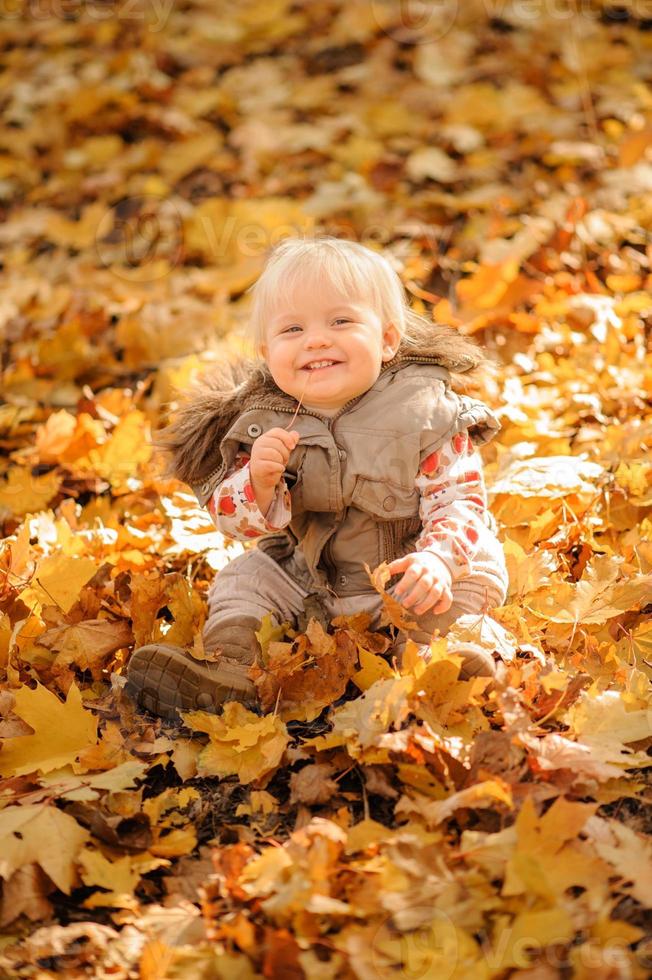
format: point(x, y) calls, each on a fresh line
point(317, 370)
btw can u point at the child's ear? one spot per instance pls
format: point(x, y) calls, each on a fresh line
point(391, 340)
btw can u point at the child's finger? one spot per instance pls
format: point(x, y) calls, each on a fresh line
point(398, 565)
point(407, 582)
point(413, 591)
point(445, 602)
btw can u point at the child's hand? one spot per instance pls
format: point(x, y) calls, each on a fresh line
point(426, 582)
point(269, 456)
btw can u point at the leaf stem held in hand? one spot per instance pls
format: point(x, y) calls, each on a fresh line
point(296, 412)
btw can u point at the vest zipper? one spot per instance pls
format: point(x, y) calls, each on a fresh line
point(306, 411)
point(205, 485)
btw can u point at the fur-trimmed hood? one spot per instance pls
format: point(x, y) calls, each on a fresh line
point(219, 397)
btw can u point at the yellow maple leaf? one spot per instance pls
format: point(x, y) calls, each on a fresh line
point(604, 716)
point(53, 438)
point(634, 479)
point(393, 612)
point(527, 571)
point(61, 731)
point(546, 861)
point(537, 929)
point(630, 853)
point(597, 597)
point(118, 877)
point(58, 580)
point(269, 633)
point(23, 493)
point(182, 840)
point(80, 233)
point(128, 448)
point(43, 835)
point(363, 722)
point(372, 668)
point(242, 743)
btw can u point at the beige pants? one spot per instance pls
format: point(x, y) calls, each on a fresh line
point(253, 585)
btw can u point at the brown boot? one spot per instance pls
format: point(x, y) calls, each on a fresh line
point(477, 660)
point(164, 679)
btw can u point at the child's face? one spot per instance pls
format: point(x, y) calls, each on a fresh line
point(322, 324)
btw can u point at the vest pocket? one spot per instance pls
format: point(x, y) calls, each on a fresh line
point(385, 501)
point(395, 510)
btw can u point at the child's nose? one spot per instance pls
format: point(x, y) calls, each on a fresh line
point(317, 338)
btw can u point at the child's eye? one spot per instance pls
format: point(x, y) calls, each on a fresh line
point(342, 320)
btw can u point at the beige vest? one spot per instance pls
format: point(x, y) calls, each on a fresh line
point(351, 476)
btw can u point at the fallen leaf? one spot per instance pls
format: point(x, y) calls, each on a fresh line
point(61, 731)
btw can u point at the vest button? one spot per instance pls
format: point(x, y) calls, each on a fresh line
point(389, 503)
point(343, 580)
point(254, 430)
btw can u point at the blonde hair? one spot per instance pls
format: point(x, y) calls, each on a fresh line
point(353, 269)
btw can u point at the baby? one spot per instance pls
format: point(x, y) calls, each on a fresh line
point(342, 443)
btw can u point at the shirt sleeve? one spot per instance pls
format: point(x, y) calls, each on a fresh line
point(453, 505)
point(234, 509)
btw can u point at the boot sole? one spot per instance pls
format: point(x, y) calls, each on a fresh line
point(164, 679)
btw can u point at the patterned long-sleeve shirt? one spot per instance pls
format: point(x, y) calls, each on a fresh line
point(452, 505)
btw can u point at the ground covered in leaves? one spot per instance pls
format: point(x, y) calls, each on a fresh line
point(372, 822)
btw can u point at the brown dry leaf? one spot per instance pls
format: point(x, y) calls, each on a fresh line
point(187, 610)
point(308, 674)
point(313, 784)
point(86, 645)
point(26, 894)
point(148, 591)
point(489, 793)
point(393, 611)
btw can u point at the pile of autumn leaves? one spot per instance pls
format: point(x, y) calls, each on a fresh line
point(371, 818)
point(494, 858)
